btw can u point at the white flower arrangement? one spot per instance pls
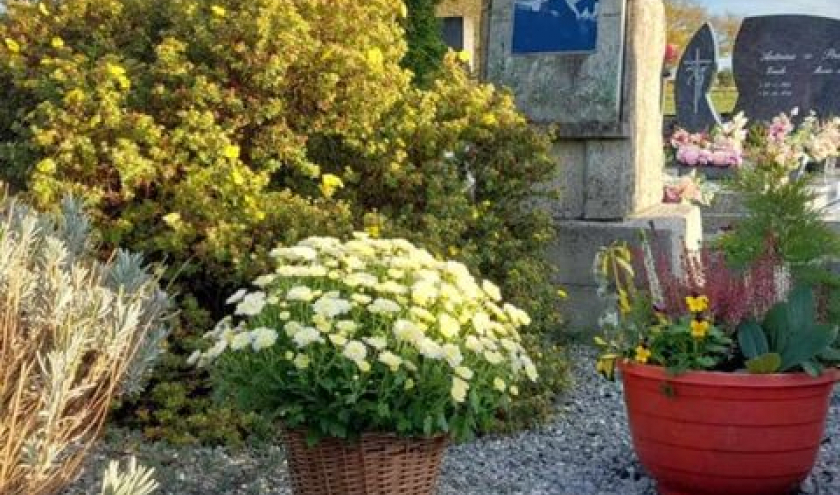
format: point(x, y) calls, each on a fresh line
point(370, 335)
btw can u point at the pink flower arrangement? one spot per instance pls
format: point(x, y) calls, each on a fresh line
point(722, 148)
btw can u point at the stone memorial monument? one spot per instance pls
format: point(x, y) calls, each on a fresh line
point(696, 74)
point(783, 62)
point(605, 105)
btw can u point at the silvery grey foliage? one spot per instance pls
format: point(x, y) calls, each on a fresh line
point(74, 333)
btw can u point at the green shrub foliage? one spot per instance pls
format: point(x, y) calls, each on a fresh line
point(206, 133)
point(426, 48)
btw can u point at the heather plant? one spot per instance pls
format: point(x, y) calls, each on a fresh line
point(75, 334)
point(204, 133)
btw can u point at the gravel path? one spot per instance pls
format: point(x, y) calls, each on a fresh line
point(585, 451)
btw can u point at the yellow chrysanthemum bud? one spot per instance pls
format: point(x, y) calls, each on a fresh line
point(12, 45)
point(57, 42)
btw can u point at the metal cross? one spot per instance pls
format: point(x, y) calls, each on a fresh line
point(697, 69)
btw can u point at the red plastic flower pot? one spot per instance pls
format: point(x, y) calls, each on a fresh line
point(726, 433)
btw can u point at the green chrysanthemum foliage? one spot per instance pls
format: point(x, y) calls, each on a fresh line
point(204, 133)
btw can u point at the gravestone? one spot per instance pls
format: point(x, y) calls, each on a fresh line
point(784, 62)
point(551, 71)
point(695, 75)
point(605, 107)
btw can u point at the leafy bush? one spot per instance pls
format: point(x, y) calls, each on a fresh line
point(75, 334)
point(425, 43)
point(205, 134)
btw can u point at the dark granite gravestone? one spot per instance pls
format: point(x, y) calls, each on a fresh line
point(784, 62)
point(695, 76)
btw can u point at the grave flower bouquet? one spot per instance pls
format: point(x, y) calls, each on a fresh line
point(369, 335)
point(723, 147)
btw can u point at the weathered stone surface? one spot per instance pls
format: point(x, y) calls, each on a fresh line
point(643, 85)
point(579, 92)
point(695, 75)
point(578, 243)
point(787, 61)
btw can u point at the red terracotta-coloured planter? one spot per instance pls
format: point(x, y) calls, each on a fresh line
point(710, 433)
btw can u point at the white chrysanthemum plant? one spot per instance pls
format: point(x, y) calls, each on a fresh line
point(370, 335)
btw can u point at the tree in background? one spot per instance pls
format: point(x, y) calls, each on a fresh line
point(425, 43)
point(685, 17)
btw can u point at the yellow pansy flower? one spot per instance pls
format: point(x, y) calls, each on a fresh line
point(699, 328)
point(697, 304)
point(642, 354)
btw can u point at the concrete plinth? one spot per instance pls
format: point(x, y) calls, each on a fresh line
point(578, 243)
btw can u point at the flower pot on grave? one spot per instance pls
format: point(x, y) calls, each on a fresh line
point(375, 464)
point(705, 433)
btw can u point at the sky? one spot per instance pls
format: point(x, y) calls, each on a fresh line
point(829, 8)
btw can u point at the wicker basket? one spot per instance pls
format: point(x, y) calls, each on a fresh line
point(377, 464)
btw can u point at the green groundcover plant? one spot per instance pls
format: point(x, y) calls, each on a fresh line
point(370, 335)
point(203, 133)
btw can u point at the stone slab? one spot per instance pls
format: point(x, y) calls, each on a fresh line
point(550, 87)
point(783, 62)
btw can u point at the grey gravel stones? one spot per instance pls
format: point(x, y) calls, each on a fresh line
point(586, 450)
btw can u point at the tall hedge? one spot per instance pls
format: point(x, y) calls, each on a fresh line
point(426, 48)
point(205, 133)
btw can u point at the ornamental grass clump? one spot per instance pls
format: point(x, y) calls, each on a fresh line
point(370, 335)
point(74, 334)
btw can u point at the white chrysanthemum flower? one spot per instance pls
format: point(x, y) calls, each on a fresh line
point(382, 305)
point(499, 384)
point(493, 357)
point(330, 307)
point(377, 343)
point(481, 322)
point(361, 279)
point(408, 331)
point(473, 344)
point(300, 293)
point(355, 351)
point(449, 326)
point(252, 304)
point(396, 273)
point(304, 253)
point(451, 294)
point(292, 328)
point(429, 348)
point(284, 315)
point(236, 296)
point(464, 372)
point(517, 316)
point(264, 280)
point(391, 287)
point(346, 326)
point(459, 390)
point(240, 341)
point(223, 325)
point(306, 336)
point(361, 298)
point(301, 361)
point(492, 290)
point(452, 354)
point(422, 314)
point(338, 339)
point(390, 360)
point(509, 345)
point(263, 338)
point(424, 293)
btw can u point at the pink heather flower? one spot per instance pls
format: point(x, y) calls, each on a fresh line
point(689, 155)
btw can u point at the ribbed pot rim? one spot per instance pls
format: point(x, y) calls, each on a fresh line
point(730, 379)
